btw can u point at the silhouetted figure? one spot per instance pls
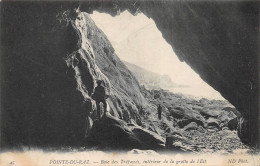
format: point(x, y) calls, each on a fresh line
point(141, 110)
point(99, 95)
point(159, 109)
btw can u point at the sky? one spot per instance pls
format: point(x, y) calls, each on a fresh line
point(137, 40)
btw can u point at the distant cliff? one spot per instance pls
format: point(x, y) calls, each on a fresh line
point(150, 79)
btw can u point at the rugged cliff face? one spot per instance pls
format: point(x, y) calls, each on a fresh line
point(53, 57)
point(45, 54)
point(39, 100)
point(125, 96)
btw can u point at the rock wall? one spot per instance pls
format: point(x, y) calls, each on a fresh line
point(52, 57)
point(40, 105)
point(219, 40)
point(125, 96)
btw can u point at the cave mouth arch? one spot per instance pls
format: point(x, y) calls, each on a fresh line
point(222, 46)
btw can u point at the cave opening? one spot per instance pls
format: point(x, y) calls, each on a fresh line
point(218, 40)
point(137, 41)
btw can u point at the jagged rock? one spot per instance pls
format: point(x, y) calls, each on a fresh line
point(112, 133)
point(184, 122)
point(181, 144)
point(177, 113)
point(226, 116)
point(212, 123)
point(178, 146)
point(191, 126)
point(212, 130)
point(228, 119)
point(231, 109)
point(177, 132)
point(170, 140)
point(126, 96)
point(151, 140)
point(188, 116)
point(201, 129)
point(225, 128)
point(222, 125)
point(206, 112)
point(197, 107)
point(204, 101)
point(233, 124)
point(57, 71)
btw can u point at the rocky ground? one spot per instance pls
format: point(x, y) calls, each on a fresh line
point(207, 126)
point(187, 125)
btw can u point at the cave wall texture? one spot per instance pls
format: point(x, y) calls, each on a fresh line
point(219, 40)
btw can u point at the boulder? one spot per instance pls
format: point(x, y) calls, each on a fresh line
point(184, 122)
point(176, 138)
point(180, 144)
point(201, 129)
point(150, 139)
point(232, 109)
point(206, 112)
point(188, 116)
point(177, 132)
point(112, 133)
point(191, 126)
point(225, 128)
point(204, 101)
point(177, 113)
point(226, 116)
point(213, 130)
point(222, 125)
point(212, 123)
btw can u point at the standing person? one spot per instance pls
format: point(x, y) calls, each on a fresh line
point(159, 109)
point(99, 95)
point(141, 110)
